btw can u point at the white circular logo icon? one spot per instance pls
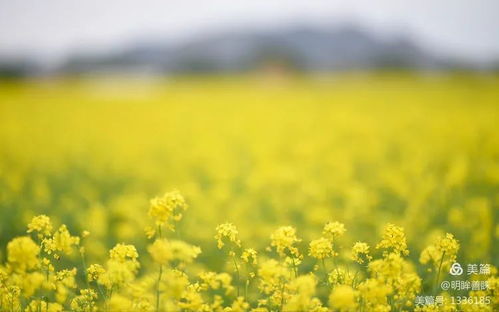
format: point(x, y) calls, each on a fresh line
point(456, 269)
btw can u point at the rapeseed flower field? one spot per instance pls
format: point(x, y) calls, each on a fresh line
point(348, 193)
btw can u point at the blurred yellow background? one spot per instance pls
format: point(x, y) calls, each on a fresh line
point(419, 151)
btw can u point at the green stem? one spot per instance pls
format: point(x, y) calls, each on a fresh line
point(246, 290)
point(325, 271)
point(334, 257)
point(160, 232)
point(158, 293)
point(295, 267)
point(157, 287)
point(237, 272)
point(438, 272)
point(247, 282)
point(84, 264)
point(355, 277)
point(282, 297)
point(103, 295)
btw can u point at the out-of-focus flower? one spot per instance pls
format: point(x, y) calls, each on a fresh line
point(249, 255)
point(360, 253)
point(167, 208)
point(22, 253)
point(284, 239)
point(40, 224)
point(227, 232)
point(343, 298)
point(442, 253)
point(94, 272)
point(321, 248)
point(61, 241)
point(393, 240)
point(333, 229)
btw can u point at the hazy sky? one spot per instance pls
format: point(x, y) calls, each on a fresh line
point(51, 28)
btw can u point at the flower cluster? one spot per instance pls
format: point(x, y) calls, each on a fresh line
point(284, 240)
point(334, 229)
point(442, 253)
point(164, 251)
point(260, 281)
point(360, 253)
point(321, 248)
point(167, 208)
point(227, 232)
point(393, 240)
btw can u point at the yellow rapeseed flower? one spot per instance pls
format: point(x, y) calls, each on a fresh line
point(321, 248)
point(85, 302)
point(94, 272)
point(22, 253)
point(333, 229)
point(441, 253)
point(249, 255)
point(341, 276)
point(228, 232)
point(123, 252)
point(167, 208)
point(40, 224)
point(160, 251)
point(374, 295)
point(283, 239)
point(302, 291)
point(360, 253)
point(43, 306)
point(183, 252)
point(343, 298)
point(61, 241)
point(393, 240)
point(163, 251)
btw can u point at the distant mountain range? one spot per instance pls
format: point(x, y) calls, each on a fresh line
point(296, 48)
